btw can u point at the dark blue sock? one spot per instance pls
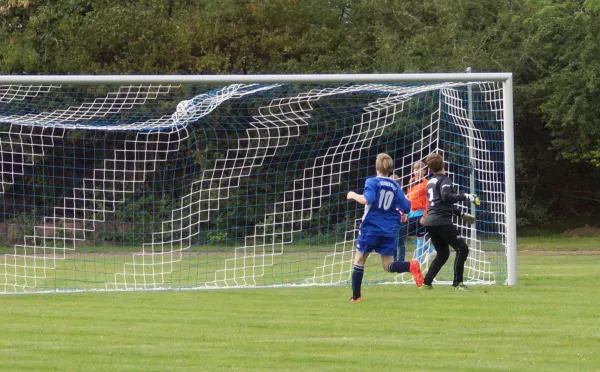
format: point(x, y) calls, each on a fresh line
point(357, 276)
point(399, 267)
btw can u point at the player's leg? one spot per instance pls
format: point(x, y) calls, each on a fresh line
point(386, 250)
point(390, 265)
point(418, 248)
point(423, 250)
point(400, 254)
point(426, 253)
point(410, 234)
point(450, 234)
point(412, 228)
point(360, 257)
point(357, 274)
point(443, 252)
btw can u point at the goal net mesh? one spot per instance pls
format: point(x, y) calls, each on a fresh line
point(110, 187)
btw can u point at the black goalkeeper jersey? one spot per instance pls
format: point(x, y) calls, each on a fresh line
point(441, 196)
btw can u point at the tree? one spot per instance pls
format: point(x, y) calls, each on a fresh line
point(569, 48)
point(551, 46)
point(14, 4)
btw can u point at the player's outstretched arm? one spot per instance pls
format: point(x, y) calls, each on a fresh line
point(472, 198)
point(357, 197)
point(402, 203)
point(466, 217)
point(446, 192)
point(448, 196)
point(367, 198)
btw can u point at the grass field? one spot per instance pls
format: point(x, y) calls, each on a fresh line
point(123, 268)
point(549, 322)
point(559, 243)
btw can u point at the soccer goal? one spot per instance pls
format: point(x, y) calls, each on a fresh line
point(191, 182)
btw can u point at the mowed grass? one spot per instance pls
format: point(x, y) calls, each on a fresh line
point(202, 267)
point(559, 243)
point(114, 267)
point(549, 322)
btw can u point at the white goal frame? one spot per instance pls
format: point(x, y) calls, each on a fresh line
point(505, 79)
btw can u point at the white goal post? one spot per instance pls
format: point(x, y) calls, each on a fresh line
point(120, 182)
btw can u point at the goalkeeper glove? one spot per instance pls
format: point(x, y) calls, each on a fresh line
point(473, 198)
point(469, 220)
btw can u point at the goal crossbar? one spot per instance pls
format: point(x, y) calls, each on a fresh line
point(254, 79)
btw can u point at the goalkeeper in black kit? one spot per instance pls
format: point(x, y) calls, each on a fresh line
point(439, 226)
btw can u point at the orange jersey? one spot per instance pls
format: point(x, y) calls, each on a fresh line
point(417, 194)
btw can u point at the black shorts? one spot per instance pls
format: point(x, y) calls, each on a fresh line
point(444, 235)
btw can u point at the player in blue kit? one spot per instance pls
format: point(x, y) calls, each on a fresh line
point(383, 200)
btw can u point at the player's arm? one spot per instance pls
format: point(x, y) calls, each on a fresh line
point(423, 193)
point(357, 197)
point(447, 196)
point(446, 192)
point(367, 198)
point(468, 218)
point(457, 212)
point(402, 203)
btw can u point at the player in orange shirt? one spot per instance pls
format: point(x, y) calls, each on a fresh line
point(412, 226)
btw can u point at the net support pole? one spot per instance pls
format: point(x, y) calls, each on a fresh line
point(471, 155)
point(509, 172)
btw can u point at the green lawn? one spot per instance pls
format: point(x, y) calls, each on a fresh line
point(549, 322)
point(559, 243)
point(112, 267)
point(204, 267)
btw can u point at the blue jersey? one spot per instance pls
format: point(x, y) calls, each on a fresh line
point(384, 197)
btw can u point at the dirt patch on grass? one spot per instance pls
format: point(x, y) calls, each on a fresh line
point(582, 231)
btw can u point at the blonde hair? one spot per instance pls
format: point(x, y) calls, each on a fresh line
point(384, 164)
point(421, 165)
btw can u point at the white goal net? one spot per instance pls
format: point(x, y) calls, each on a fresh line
point(158, 185)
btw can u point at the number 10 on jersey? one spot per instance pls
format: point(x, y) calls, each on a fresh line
point(385, 199)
